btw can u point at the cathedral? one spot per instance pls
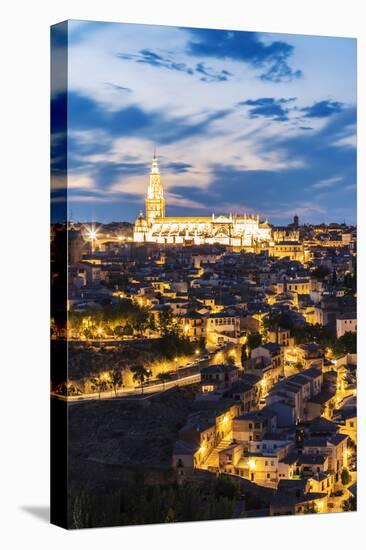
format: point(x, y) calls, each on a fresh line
point(239, 231)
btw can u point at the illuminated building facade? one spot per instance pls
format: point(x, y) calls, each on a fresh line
point(241, 231)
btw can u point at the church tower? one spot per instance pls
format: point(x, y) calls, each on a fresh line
point(155, 202)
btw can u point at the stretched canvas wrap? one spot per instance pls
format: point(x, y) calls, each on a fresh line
point(203, 245)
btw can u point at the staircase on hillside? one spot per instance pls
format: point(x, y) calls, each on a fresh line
point(212, 460)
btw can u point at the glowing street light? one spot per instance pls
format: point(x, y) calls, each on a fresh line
point(251, 464)
point(320, 506)
point(92, 233)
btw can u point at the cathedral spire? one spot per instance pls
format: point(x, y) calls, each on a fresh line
point(155, 203)
point(154, 164)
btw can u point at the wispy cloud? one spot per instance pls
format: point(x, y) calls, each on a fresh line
point(90, 115)
point(323, 109)
point(174, 199)
point(305, 210)
point(269, 107)
point(347, 141)
point(117, 87)
point(80, 181)
point(242, 143)
point(272, 58)
point(149, 57)
point(328, 182)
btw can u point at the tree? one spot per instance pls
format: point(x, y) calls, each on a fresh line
point(299, 366)
point(109, 331)
point(172, 345)
point(275, 320)
point(226, 488)
point(81, 511)
point(254, 340)
point(163, 377)
point(151, 323)
point(313, 333)
point(350, 283)
point(167, 323)
point(118, 331)
point(140, 374)
point(310, 508)
point(345, 344)
point(202, 344)
point(345, 477)
point(99, 384)
point(320, 273)
point(350, 505)
point(170, 516)
point(68, 389)
point(88, 335)
point(116, 379)
point(127, 330)
point(334, 276)
point(244, 355)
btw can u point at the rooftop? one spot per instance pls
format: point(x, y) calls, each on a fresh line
point(313, 459)
point(219, 369)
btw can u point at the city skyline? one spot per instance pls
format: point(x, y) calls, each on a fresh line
point(264, 123)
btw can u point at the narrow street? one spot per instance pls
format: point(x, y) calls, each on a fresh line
point(182, 376)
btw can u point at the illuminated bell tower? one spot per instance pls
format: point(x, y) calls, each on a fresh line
point(155, 202)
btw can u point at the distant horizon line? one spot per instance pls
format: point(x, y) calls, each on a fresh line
point(274, 224)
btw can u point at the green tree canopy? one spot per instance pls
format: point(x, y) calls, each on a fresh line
point(116, 379)
point(140, 374)
point(345, 476)
point(345, 344)
point(254, 340)
point(99, 384)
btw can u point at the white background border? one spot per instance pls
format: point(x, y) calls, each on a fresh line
point(24, 297)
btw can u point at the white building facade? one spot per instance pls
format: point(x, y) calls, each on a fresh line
point(242, 231)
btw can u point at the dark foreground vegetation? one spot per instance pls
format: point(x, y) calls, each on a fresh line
point(137, 503)
point(120, 467)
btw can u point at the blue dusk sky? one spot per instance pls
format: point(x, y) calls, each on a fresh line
point(241, 121)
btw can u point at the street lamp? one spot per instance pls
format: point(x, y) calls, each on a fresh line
point(92, 233)
point(320, 506)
